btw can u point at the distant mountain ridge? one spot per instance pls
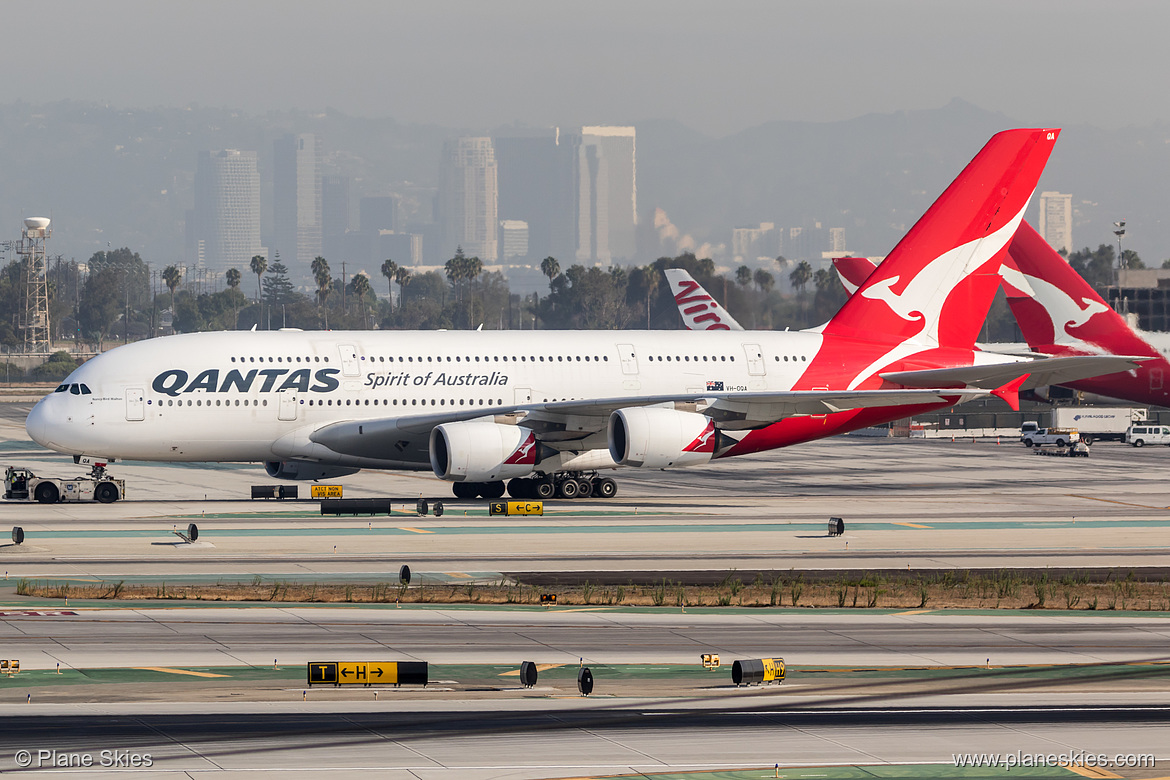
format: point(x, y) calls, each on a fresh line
point(124, 176)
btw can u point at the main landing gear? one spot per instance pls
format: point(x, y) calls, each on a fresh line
point(545, 486)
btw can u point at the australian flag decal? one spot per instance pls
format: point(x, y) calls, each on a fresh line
point(714, 387)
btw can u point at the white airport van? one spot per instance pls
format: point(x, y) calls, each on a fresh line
point(1141, 435)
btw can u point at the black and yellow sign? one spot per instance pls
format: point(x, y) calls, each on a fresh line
point(368, 673)
point(516, 508)
point(773, 669)
point(326, 491)
point(710, 660)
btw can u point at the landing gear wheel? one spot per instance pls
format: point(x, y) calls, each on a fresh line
point(544, 489)
point(567, 489)
point(520, 488)
point(47, 493)
point(584, 488)
point(465, 489)
point(605, 488)
point(492, 490)
point(106, 493)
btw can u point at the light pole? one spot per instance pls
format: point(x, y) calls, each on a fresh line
point(1119, 232)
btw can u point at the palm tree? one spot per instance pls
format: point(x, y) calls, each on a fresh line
point(172, 276)
point(259, 265)
point(360, 284)
point(651, 278)
point(550, 268)
point(401, 278)
point(763, 280)
point(233, 277)
point(800, 276)
point(743, 276)
point(389, 267)
point(324, 281)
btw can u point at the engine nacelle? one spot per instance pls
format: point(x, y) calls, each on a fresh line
point(482, 451)
point(656, 438)
point(305, 470)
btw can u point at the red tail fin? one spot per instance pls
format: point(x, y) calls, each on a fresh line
point(936, 286)
point(853, 271)
point(1056, 308)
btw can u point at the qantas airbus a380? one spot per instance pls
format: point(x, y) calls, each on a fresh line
point(548, 409)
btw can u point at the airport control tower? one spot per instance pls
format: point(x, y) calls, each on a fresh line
point(35, 321)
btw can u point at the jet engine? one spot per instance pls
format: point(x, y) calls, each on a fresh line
point(660, 438)
point(305, 470)
point(482, 451)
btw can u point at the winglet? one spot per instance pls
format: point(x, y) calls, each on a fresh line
point(1011, 392)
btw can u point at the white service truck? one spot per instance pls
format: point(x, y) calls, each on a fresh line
point(1097, 423)
point(1032, 436)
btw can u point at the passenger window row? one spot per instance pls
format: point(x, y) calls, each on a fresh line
point(314, 359)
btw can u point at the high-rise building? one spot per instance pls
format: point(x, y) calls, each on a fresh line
point(592, 189)
point(513, 240)
point(378, 213)
point(226, 220)
point(1056, 220)
point(296, 198)
point(617, 149)
point(336, 214)
point(752, 243)
point(837, 240)
point(535, 186)
point(468, 199)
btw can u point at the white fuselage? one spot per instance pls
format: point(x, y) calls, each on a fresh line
point(255, 396)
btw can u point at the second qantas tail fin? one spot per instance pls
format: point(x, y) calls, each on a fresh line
point(936, 286)
point(1056, 309)
point(853, 271)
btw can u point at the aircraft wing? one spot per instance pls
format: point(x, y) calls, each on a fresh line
point(566, 421)
point(1038, 372)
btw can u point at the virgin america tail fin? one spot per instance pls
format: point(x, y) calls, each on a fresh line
point(936, 286)
point(698, 309)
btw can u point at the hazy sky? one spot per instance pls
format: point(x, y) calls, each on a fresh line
point(718, 66)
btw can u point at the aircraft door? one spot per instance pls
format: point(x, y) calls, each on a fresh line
point(135, 405)
point(755, 360)
point(1155, 379)
point(288, 405)
point(629, 358)
point(523, 395)
point(349, 361)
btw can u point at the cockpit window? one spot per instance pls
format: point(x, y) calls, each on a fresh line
point(76, 390)
point(85, 389)
point(61, 388)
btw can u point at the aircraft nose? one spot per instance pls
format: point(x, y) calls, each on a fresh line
point(37, 424)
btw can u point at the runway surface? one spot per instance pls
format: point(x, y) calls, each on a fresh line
point(136, 678)
point(571, 739)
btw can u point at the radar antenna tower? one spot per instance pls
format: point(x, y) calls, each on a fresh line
point(35, 321)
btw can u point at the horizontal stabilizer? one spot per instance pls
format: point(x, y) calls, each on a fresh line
point(1039, 372)
point(1010, 392)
